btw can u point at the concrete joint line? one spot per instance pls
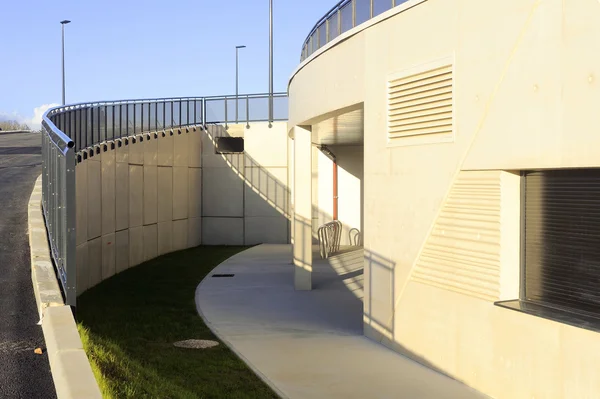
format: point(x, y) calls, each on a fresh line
point(71, 370)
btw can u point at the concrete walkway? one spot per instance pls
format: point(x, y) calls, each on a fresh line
point(309, 344)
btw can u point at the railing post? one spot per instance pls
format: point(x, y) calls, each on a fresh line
point(69, 199)
point(204, 113)
point(247, 112)
point(226, 127)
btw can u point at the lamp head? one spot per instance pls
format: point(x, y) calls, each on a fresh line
point(64, 22)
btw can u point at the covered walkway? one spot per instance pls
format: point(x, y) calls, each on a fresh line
point(309, 344)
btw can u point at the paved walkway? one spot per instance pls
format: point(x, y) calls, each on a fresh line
point(23, 374)
point(310, 344)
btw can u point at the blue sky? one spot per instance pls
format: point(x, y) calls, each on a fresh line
point(138, 49)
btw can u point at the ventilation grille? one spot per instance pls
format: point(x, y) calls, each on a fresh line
point(462, 253)
point(421, 105)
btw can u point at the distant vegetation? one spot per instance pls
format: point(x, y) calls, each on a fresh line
point(13, 125)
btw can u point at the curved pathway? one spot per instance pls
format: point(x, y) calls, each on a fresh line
point(309, 344)
point(23, 374)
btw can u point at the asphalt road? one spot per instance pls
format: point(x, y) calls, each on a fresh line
point(23, 374)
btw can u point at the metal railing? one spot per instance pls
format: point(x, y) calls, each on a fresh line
point(88, 124)
point(346, 15)
point(67, 130)
point(330, 235)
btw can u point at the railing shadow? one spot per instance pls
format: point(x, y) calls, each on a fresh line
point(376, 322)
point(263, 183)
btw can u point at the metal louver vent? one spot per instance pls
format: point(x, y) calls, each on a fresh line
point(421, 104)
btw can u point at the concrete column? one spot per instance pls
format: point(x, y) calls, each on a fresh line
point(302, 209)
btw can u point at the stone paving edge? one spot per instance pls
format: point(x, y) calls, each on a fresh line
point(71, 371)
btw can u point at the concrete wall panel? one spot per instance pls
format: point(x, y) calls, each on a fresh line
point(180, 232)
point(267, 192)
point(150, 242)
point(180, 148)
point(108, 192)
point(150, 150)
point(109, 255)
point(122, 153)
point(272, 230)
point(136, 246)
point(122, 250)
point(222, 193)
point(150, 194)
point(136, 195)
point(81, 202)
point(165, 237)
point(95, 261)
point(260, 143)
point(222, 231)
point(180, 192)
point(165, 149)
point(83, 276)
point(195, 148)
point(136, 151)
point(210, 159)
point(195, 193)
point(194, 232)
point(165, 196)
point(122, 196)
point(94, 199)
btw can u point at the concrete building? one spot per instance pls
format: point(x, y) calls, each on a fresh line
point(463, 134)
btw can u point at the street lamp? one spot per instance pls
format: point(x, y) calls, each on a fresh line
point(63, 23)
point(237, 82)
point(270, 62)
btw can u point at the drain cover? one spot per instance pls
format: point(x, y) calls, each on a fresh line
point(196, 344)
point(223, 275)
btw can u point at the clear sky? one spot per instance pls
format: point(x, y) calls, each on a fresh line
point(129, 49)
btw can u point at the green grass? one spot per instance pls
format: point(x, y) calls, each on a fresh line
point(129, 322)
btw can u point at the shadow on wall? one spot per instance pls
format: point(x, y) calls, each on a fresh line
point(337, 286)
point(254, 197)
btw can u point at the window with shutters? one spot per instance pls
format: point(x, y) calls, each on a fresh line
point(560, 246)
point(421, 104)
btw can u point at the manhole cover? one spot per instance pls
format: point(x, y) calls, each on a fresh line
point(196, 344)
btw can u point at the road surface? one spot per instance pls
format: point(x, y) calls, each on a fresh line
point(23, 374)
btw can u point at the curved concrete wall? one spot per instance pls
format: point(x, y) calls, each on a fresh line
point(162, 194)
point(525, 89)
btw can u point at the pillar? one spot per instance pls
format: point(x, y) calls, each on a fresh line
point(302, 208)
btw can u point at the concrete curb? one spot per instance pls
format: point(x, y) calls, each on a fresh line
point(215, 331)
point(71, 370)
point(15, 131)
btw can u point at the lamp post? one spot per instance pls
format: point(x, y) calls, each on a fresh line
point(63, 23)
point(270, 63)
point(237, 81)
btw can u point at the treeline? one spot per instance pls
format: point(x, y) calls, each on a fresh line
point(13, 125)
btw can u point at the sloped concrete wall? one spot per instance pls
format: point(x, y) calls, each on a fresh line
point(157, 193)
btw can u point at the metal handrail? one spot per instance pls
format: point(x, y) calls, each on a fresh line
point(336, 11)
point(93, 122)
point(69, 129)
point(329, 235)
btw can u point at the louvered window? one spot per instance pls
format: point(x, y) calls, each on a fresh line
point(562, 239)
point(420, 105)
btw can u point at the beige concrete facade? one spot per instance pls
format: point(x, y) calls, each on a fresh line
point(162, 193)
point(441, 211)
